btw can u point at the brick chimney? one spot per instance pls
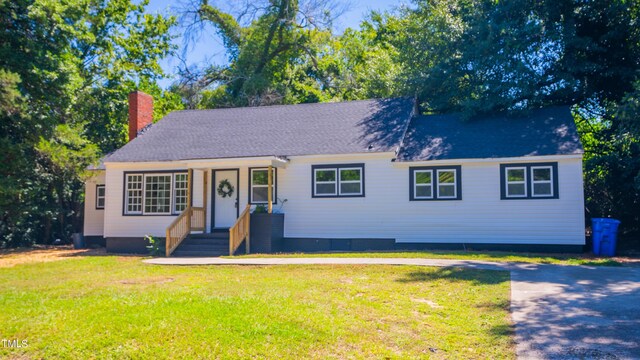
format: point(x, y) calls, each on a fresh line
point(140, 112)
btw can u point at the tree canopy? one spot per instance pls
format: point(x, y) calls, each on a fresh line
point(286, 53)
point(65, 71)
point(485, 56)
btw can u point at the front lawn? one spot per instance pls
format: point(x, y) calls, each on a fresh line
point(498, 256)
point(118, 307)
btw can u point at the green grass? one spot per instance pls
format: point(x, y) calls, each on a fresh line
point(562, 259)
point(118, 307)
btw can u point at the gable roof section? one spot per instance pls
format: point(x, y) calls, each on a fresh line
point(548, 131)
point(282, 130)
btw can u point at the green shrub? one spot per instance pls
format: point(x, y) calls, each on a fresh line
point(260, 209)
point(156, 247)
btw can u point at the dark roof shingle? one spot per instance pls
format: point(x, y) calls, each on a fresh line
point(304, 129)
point(548, 131)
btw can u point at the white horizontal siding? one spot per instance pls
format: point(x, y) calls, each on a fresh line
point(480, 217)
point(385, 211)
point(118, 225)
point(93, 218)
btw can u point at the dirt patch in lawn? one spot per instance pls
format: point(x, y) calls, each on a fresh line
point(428, 302)
point(13, 257)
point(629, 261)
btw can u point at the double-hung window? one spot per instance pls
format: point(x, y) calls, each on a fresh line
point(157, 194)
point(447, 188)
point(435, 183)
point(516, 180)
point(180, 189)
point(160, 193)
point(350, 180)
point(259, 184)
point(423, 184)
point(325, 182)
point(529, 181)
point(343, 180)
point(100, 194)
point(133, 194)
point(542, 181)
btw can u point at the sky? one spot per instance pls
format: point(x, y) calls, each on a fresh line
point(208, 47)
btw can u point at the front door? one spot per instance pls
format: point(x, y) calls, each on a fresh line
point(225, 198)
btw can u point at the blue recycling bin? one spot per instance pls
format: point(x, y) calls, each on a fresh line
point(605, 235)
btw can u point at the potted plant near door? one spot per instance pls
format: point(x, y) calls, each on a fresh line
point(267, 230)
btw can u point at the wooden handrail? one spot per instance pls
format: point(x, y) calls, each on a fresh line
point(191, 219)
point(240, 231)
point(197, 218)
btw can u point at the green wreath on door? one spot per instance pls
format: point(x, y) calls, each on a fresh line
point(225, 189)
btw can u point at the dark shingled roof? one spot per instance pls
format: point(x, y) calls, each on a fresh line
point(305, 129)
point(548, 131)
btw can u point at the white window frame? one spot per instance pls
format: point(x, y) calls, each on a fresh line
point(127, 194)
point(455, 183)
point(103, 197)
point(415, 184)
point(174, 188)
point(144, 193)
point(340, 181)
point(534, 182)
point(335, 182)
point(524, 182)
point(436, 171)
point(274, 178)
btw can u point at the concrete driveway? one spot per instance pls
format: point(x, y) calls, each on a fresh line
point(576, 312)
point(559, 312)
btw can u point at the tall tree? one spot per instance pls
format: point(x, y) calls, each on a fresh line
point(271, 44)
point(65, 70)
point(361, 64)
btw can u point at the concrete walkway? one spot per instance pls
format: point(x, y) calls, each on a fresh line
point(559, 312)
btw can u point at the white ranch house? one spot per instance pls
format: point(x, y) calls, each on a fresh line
point(359, 175)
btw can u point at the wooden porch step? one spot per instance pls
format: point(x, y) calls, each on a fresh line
point(204, 241)
point(204, 245)
point(213, 235)
point(184, 253)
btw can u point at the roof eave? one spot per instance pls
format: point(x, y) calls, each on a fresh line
point(492, 159)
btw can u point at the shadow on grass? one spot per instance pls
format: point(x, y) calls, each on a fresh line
point(100, 252)
point(501, 304)
point(503, 330)
point(472, 276)
point(476, 255)
point(607, 262)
